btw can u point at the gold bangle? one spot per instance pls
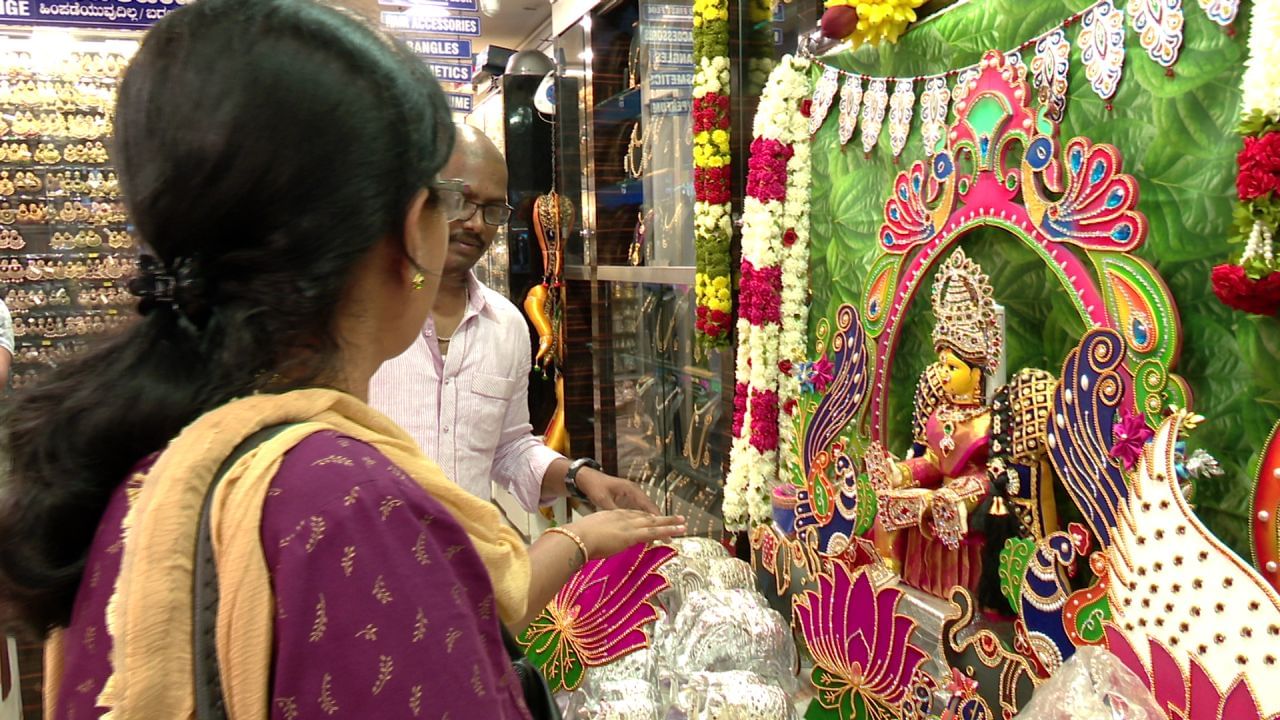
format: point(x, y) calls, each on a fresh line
point(586, 557)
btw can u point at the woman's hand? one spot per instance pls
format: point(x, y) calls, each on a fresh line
point(609, 532)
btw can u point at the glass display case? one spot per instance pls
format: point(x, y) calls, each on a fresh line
point(650, 404)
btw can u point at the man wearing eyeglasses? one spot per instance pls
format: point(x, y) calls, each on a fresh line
point(461, 390)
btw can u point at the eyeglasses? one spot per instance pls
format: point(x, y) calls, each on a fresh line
point(450, 197)
point(495, 214)
point(457, 208)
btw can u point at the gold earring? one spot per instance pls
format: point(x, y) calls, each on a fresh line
point(419, 281)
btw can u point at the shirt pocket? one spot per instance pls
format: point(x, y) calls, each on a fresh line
point(490, 396)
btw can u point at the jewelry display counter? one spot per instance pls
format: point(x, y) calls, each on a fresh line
point(66, 247)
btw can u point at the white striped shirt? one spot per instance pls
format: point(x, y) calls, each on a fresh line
point(469, 410)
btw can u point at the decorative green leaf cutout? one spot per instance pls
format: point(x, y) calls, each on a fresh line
point(1014, 559)
point(1089, 623)
point(868, 505)
point(545, 646)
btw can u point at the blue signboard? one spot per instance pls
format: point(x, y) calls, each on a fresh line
point(119, 14)
point(661, 35)
point(665, 80)
point(655, 12)
point(468, 25)
point(673, 106)
point(463, 5)
point(779, 13)
point(441, 48)
point(451, 72)
point(459, 102)
point(674, 59)
point(777, 36)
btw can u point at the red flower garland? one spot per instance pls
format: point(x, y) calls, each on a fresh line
point(739, 407)
point(767, 170)
point(764, 420)
point(760, 294)
point(1236, 289)
point(1259, 163)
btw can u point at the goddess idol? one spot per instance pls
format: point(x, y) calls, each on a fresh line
point(926, 502)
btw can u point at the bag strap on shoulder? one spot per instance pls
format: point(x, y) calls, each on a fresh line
point(208, 680)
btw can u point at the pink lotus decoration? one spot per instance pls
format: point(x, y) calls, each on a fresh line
point(864, 660)
point(1192, 694)
point(599, 616)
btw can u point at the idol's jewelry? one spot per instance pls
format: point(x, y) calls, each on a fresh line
point(419, 281)
point(965, 314)
point(952, 416)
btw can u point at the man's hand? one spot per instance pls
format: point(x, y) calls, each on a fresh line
point(607, 492)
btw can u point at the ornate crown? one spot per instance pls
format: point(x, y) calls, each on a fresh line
point(964, 312)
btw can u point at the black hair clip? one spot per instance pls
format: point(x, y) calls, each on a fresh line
point(156, 285)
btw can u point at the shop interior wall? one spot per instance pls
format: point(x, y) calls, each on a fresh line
point(1176, 135)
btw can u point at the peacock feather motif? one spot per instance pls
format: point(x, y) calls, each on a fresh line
point(836, 503)
point(1190, 617)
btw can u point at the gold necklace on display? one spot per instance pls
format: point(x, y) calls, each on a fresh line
point(634, 168)
point(636, 254)
point(702, 456)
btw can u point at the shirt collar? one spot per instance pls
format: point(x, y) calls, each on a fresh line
point(476, 301)
point(477, 304)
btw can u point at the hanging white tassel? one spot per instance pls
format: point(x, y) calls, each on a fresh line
point(1260, 246)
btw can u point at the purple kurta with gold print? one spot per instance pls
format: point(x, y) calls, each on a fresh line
point(383, 608)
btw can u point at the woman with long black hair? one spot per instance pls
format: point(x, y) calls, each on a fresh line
point(279, 159)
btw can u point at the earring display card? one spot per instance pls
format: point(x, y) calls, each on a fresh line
point(66, 246)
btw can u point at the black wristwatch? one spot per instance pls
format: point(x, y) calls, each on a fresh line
point(571, 477)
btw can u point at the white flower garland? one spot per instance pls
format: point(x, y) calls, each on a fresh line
point(1262, 68)
point(712, 76)
point(734, 506)
point(753, 473)
point(794, 341)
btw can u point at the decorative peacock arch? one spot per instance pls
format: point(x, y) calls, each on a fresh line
point(1001, 167)
point(1164, 608)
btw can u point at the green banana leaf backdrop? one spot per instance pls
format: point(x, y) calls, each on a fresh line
point(1176, 135)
